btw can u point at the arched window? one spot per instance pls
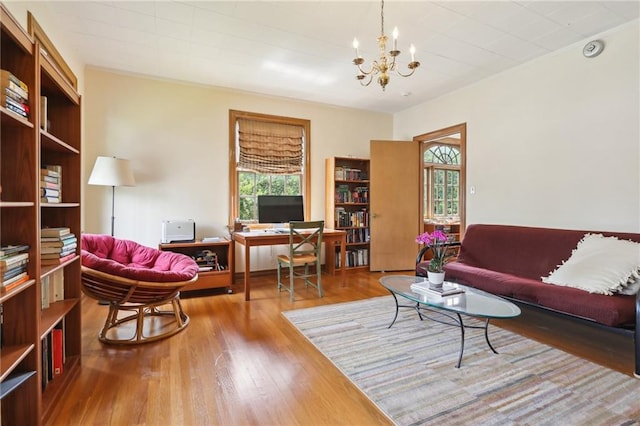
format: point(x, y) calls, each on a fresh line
point(442, 181)
point(442, 154)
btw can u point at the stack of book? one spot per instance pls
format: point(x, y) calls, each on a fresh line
point(15, 94)
point(347, 173)
point(14, 260)
point(51, 184)
point(57, 245)
point(446, 289)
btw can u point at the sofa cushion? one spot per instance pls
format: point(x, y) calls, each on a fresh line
point(617, 310)
point(523, 251)
point(516, 250)
point(599, 264)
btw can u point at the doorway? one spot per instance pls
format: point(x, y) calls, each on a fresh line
point(443, 180)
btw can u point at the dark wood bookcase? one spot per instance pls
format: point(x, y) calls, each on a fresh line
point(347, 207)
point(28, 395)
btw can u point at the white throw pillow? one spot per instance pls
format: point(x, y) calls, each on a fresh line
point(599, 264)
point(632, 287)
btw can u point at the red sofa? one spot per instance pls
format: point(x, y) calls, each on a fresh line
point(510, 260)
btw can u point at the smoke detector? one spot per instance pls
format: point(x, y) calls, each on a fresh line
point(593, 49)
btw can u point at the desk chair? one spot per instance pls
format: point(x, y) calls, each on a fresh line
point(305, 241)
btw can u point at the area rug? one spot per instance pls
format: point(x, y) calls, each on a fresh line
point(409, 371)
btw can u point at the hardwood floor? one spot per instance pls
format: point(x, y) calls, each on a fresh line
point(242, 363)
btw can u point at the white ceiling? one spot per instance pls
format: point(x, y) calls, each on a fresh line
point(302, 49)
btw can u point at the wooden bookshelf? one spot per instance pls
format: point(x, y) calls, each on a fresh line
point(27, 395)
point(347, 207)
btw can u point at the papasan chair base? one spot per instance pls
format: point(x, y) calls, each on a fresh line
point(140, 311)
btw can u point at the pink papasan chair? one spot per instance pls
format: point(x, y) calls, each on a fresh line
point(139, 279)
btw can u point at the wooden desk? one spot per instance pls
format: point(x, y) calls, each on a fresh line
point(330, 237)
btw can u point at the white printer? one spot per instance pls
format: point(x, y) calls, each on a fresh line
point(174, 231)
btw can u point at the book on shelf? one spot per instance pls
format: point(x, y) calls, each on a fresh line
point(11, 249)
point(447, 289)
point(57, 349)
point(57, 286)
point(57, 253)
point(44, 351)
point(59, 242)
point(15, 106)
point(49, 180)
point(16, 94)
point(48, 261)
point(8, 92)
point(45, 171)
point(7, 79)
point(12, 280)
point(55, 231)
point(12, 272)
point(49, 185)
point(64, 239)
point(56, 168)
point(9, 261)
point(13, 90)
point(45, 288)
point(9, 286)
point(49, 192)
point(43, 114)
point(60, 249)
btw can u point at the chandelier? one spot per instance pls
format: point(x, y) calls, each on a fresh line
point(384, 65)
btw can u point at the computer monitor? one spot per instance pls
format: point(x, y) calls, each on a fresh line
point(280, 208)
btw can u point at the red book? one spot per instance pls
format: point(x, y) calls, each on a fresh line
point(57, 349)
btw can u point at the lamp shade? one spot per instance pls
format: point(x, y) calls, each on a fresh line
point(112, 171)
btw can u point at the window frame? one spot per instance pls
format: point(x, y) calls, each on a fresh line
point(428, 173)
point(234, 196)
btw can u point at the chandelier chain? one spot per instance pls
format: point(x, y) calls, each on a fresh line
point(382, 18)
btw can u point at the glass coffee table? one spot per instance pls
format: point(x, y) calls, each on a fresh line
point(471, 302)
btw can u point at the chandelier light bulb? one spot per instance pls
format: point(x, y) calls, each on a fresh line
point(395, 38)
point(412, 50)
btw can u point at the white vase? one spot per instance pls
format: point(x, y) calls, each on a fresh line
point(435, 278)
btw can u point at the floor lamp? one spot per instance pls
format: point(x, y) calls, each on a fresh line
point(112, 171)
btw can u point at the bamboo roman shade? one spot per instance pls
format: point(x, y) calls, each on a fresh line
point(270, 148)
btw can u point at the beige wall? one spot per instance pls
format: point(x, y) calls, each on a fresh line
point(176, 136)
point(555, 142)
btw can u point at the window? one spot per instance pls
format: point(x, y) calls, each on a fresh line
point(269, 156)
point(442, 181)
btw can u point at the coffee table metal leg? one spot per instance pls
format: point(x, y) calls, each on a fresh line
point(461, 341)
point(459, 323)
point(398, 306)
point(395, 317)
point(486, 335)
